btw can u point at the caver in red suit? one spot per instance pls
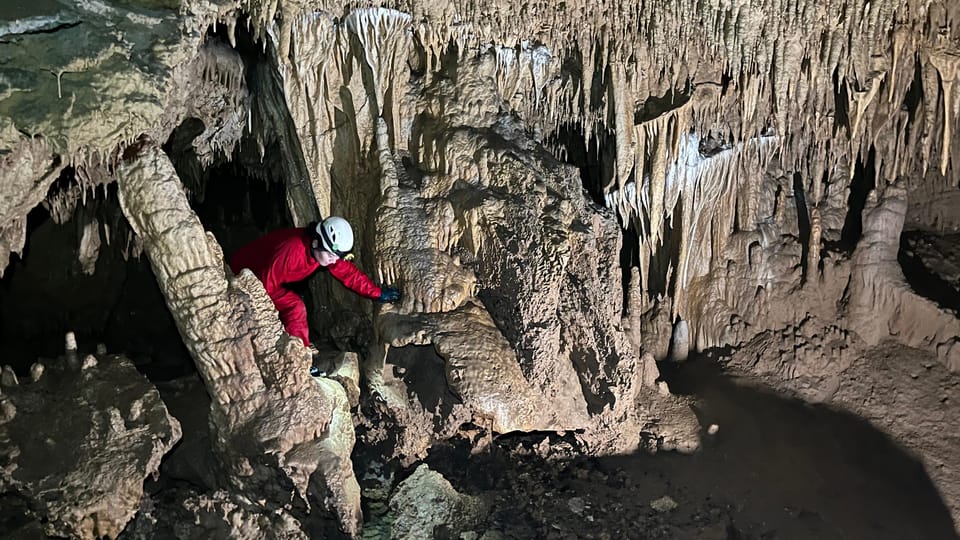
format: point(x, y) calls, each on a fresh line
point(287, 256)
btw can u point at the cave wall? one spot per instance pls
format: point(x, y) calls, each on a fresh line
point(881, 78)
point(729, 138)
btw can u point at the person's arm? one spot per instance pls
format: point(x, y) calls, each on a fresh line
point(352, 278)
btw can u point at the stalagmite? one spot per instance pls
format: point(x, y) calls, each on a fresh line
point(263, 400)
point(36, 371)
point(878, 291)
point(813, 250)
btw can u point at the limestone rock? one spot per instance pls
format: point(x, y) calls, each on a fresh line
point(263, 400)
point(214, 515)
point(723, 199)
point(81, 444)
point(427, 507)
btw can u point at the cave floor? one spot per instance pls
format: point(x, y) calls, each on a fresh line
point(776, 468)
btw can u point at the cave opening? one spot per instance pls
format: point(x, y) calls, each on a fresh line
point(864, 181)
point(81, 272)
point(258, 186)
point(593, 157)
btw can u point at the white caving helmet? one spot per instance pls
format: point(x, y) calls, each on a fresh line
point(336, 235)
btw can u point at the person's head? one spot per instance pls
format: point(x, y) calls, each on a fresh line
point(331, 240)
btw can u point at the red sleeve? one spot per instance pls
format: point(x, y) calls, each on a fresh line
point(355, 280)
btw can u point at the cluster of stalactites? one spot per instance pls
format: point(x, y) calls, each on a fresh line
point(782, 58)
point(828, 79)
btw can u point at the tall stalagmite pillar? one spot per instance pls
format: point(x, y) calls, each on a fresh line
point(273, 426)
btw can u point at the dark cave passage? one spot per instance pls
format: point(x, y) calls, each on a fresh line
point(931, 265)
point(46, 293)
point(864, 181)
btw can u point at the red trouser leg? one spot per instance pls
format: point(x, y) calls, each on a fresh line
point(293, 315)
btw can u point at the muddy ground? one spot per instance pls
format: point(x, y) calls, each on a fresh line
point(776, 468)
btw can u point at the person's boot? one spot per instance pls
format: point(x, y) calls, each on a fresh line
point(323, 364)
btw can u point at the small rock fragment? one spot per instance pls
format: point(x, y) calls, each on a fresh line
point(576, 505)
point(663, 504)
point(713, 429)
point(36, 371)
point(73, 361)
point(90, 361)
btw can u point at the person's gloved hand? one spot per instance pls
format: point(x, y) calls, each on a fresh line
point(389, 294)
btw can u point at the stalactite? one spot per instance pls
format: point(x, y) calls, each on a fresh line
point(383, 35)
point(622, 103)
point(931, 97)
point(658, 179)
point(947, 65)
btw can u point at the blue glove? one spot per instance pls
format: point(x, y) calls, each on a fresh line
point(389, 294)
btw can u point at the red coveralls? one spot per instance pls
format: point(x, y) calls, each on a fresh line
point(283, 257)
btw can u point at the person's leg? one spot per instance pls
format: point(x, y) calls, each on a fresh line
point(293, 315)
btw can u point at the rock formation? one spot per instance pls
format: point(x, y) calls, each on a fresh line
point(427, 506)
point(78, 440)
point(566, 193)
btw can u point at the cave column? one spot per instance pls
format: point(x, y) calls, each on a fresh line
point(273, 425)
point(190, 275)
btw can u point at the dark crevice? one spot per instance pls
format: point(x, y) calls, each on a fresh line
point(864, 181)
point(50, 29)
point(803, 222)
point(913, 98)
point(840, 99)
point(656, 106)
point(593, 157)
point(923, 279)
